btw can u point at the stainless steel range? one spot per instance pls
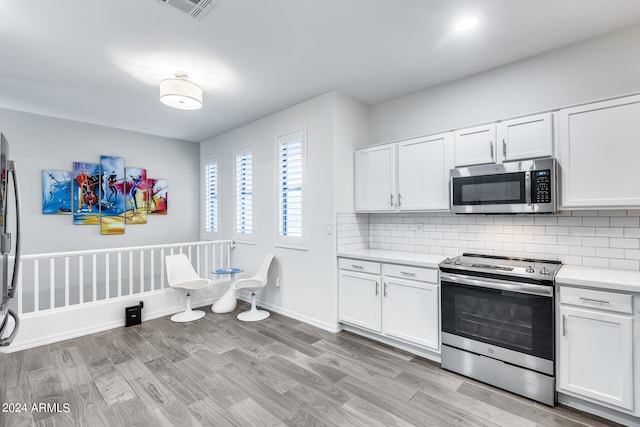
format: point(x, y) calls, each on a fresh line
point(498, 322)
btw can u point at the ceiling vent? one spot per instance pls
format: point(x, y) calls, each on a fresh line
point(196, 8)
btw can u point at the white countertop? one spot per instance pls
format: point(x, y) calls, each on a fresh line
point(395, 257)
point(601, 278)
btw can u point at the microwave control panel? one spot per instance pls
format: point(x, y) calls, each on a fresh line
point(542, 186)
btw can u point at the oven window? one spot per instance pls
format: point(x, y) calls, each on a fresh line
point(519, 322)
point(489, 189)
point(508, 324)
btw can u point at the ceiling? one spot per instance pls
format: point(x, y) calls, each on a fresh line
point(101, 62)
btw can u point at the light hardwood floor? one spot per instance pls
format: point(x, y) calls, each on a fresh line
point(218, 371)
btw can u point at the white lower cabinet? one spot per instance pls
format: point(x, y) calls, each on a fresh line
point(410, 311)
point(360, 299)
point(596, 346)
point(400, 302)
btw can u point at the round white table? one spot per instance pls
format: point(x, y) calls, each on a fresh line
point(227, 303)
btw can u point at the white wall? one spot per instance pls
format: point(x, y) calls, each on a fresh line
point(38, 142)
point(307, 277)
point(599, 68)
point(352, 131)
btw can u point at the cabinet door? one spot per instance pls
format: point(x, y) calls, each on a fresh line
point(475, 146)
point(598, 152)
point(375, 180)
point(596, 351)
point(526, 137)
point(423, 173)
point(359, 299)
point(410, 312)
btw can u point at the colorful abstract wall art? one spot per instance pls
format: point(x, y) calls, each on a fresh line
point(56, 192)
point(112, 195)
point(136, 197)
point(158, 196)
point(104, 193)
point(85, 188)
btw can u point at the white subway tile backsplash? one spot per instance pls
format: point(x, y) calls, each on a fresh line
point(595, 262)
point(609, 239)
point(632, 232)
point(546, 239)
point(546, 220)
point(558, 231)
point(583, 251)
point(534, 229)
point(625, 222)
point(609, 232)
point(582, 231)
point(624, 264)
point(612, 212)
point(570, 240)
point(513, 229)
point(596, 222)
point(524, 238)
point(571, 221)
point(609, 253)
point(584, 213)
point(625, 243)
point(602, 242)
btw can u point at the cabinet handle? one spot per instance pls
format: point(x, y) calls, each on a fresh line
point(391, 195)
point(377, 288)
point(404, 273)
point(399, 199)
point(564, 325)
point(598, 301)
point(491, 143)
point(504, 148)
point(359, 267)
point(385, 289)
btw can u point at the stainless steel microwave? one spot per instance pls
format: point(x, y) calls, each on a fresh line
point(527, 186)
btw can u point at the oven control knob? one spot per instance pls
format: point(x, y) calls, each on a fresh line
point(447, 261)
point(529, 269)
point(544, 271)
point(458, 261)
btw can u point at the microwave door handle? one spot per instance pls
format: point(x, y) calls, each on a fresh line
point(527, 188)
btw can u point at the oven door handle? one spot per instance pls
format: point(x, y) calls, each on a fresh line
point(517, 287)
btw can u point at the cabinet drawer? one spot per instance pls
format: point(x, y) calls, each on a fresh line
point(359, 265)
point(412, 273)
point(602, 300)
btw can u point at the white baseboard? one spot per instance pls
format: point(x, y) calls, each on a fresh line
point(61, 324)
point(419, 351)
point(329, 327)
point(599, 410)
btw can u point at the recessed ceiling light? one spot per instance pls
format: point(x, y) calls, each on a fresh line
point(466, 24)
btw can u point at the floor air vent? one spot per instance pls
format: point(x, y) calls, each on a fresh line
point(196, 8)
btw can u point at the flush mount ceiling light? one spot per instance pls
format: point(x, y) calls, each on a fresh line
point(181, 93)
point(466, 24)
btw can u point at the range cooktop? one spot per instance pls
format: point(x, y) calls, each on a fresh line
point(501, 265)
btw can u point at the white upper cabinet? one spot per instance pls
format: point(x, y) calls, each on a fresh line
point(518, 139)
point(475, 146)
point(423, 173)
point(411, 175)
point(526, 137)
point(375, 178)
point(598, 151)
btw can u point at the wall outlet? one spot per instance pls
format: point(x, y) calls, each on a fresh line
point(329, 228)
point(277, 282)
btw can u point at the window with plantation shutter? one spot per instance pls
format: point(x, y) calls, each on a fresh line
point(243, 230)
point(291, 182)
point(211, 196)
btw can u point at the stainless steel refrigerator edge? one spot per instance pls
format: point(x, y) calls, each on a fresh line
point(9, 321)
